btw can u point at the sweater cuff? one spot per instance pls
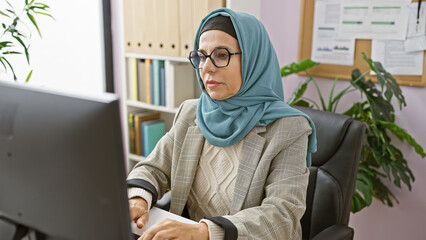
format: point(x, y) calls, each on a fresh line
point(139, 192)
point(216, 232)
point(231, 232)
point(140, 183)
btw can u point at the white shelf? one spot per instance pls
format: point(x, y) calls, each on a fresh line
point(142, 105)
point(158, 57)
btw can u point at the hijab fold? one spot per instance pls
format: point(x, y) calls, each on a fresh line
point(260, 99)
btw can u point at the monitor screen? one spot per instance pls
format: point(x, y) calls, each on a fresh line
point(62, 168)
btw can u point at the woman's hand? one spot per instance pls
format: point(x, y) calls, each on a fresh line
point(138, 211)
point(171, 229)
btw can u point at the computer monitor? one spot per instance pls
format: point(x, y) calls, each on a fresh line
point(62, 169)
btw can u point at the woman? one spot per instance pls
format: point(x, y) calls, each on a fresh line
point(236, 158)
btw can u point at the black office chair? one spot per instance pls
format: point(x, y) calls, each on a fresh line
point(332, 176)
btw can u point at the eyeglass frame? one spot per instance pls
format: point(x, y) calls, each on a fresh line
point(211, 59)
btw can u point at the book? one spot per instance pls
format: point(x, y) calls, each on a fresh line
point(138, 119)
point(133, 74)
point(131, 126)
point(162, 84)
point(142, 84)
point(148, 68)
point(151, 82)
point(156, 82)
point(151, 131)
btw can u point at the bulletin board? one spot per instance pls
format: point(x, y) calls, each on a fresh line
point(341, 71)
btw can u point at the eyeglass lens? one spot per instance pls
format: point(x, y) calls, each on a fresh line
point(219, 57)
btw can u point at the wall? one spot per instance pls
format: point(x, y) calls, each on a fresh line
point(406, 219)
point(70, 54)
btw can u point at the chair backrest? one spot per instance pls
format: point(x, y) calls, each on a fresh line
point(333, 171)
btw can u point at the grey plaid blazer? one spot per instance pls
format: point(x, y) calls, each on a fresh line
point(272, 178)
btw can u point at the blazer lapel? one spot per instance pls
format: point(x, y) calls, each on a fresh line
point(250, 156)
point(186, 168)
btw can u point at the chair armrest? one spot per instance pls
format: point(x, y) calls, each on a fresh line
point(164, 202)
point(335, 232)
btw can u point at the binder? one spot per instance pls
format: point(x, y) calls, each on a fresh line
point(186, 26)
point(139, 27)
point(171, 41)
point(215, 4)
point(151, 26)
point(200, 9)
point(161, 27)
point(129, 22)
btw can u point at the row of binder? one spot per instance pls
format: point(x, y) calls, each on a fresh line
point(164, 27)
point(159, 82)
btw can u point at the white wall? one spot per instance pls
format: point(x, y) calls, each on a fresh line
point(70, 54)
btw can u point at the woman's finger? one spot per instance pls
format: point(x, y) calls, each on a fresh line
point(142, 220)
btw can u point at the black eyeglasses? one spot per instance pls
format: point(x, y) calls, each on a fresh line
point(220, 57)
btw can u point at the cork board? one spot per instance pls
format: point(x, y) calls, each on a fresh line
point(340, 71)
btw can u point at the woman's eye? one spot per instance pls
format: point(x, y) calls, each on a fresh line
point(222, 55)
point(202, 58)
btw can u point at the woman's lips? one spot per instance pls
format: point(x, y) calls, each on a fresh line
point(212, 83)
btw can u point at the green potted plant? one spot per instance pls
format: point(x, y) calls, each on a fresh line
point(16, 35)
point(380, 160)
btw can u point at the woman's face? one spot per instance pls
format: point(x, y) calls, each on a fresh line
point(220, 83)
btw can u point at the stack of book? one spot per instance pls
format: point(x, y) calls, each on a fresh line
point(147, 81)
point(145, 130)
point(159, 82)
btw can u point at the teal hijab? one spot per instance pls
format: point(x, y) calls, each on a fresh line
point(260, 99)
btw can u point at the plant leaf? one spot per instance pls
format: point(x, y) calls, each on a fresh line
point(380, 108)
point(299, 91)
point(32, 19)
point(25, 48)
point(302, 103)
point(386, 80)
point(4, 14)
point(303, 65)
point(46, 14)
point(6, 44)
point(1, 61)
point(403, 135)
point(11, 52)
point(324, 108)
point(29, 76)
point(11, 68)
point(330, 97)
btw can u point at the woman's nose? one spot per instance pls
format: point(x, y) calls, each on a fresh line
point(209, 66)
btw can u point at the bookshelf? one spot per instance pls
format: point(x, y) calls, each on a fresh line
point(161, 31)
point(178, 73)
